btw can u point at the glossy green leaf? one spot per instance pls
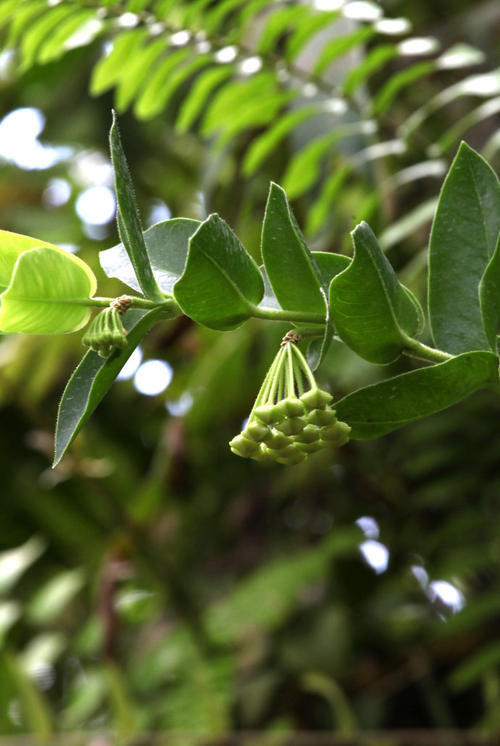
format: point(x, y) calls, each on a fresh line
point(43, 294)
point(221, 281)
point(463, 240)
point(371, 311)
point(128, 218)
point(383, 407)
point(93, 377)
point(167, 246)
point(289, 263)
point(489, 297)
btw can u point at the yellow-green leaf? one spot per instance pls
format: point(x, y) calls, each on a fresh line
point(45, 293)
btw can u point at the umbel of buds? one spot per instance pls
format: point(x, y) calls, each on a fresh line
point(291, 417)
point(105, 333)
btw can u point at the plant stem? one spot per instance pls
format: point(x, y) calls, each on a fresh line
point(423, 352)
point(275, 314)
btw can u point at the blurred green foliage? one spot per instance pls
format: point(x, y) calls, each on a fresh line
point(154, 581)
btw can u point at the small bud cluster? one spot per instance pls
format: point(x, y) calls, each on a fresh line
point(291, 417)
point(105, 333)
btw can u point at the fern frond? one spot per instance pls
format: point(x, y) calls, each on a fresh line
point(196, 87)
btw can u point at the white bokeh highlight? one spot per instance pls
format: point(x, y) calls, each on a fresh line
point(153, 377)
point(96, 205)
point(131, 366)
point(375, 554)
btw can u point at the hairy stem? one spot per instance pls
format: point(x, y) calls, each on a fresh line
point(423, 352)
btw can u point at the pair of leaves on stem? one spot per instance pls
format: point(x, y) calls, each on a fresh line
point(220, 284)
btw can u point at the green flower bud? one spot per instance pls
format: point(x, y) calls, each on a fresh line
point(336, 435)
point(243, 447)
point(279, 441)
point(316, 399)
point(310, 434)
point(257, 432)
point(269, 414)
point(322, 417)
point(264, 455)
point(294, 407)
point(292, 425)
point(105, 333)
point(290, 455)
point(316, 445)
point(280, 410)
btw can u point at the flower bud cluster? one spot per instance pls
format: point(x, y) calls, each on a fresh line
point(291, 417)
point(105, 333)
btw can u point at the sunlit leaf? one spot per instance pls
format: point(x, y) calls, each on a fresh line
point(45, 293)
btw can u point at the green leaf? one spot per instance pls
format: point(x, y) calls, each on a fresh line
point(59, 40)
point(463, 240)
point(305, 30)
point(396, 83)
point(371, 311)
point(35, 711)
point(167, 246)
point(289, 263)
point(329, 265)
point(335, 48)
point(489, 297)
point(12, 245)
point(198, 94)
point(128, 219)
point(383, 407)
point(93, 377)
point(156, 96)
point(305, 167)
point(279, 22)
point(109, 69)
point(263, 146)
point(39, 31)
point(234, 97)
point(138, 71)
point(44, 291)
point(221, 281)
point(373, 61)
point(53, 597)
